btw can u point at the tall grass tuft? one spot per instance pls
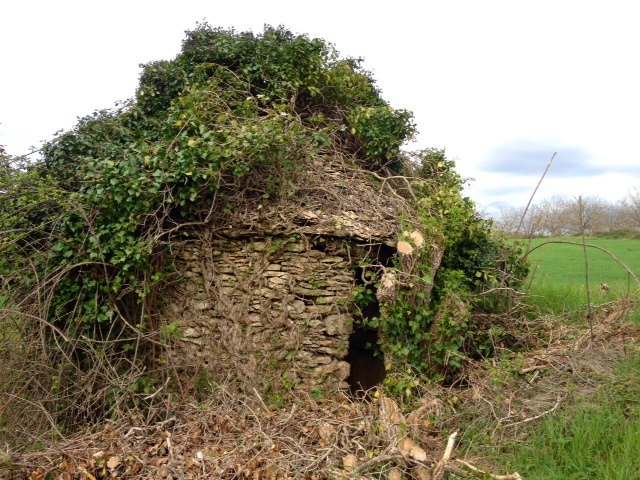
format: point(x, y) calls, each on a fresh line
point(567, 301)
point(594, 443)
point(595, 439)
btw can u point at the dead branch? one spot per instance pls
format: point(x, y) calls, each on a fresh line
point(33, 317)
point(375, 460)
point(439, 469)
point(536, 417)
point(511, 476)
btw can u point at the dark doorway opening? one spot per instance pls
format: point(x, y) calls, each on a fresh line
point(365, 356)
point(366, 361)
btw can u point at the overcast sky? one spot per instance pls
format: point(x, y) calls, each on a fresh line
point(502, 85)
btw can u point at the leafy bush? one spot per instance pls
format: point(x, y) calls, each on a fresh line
point(85, 229)
point(466, 267)
point(229, 104)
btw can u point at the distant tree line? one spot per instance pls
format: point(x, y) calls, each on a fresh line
point(562, 216)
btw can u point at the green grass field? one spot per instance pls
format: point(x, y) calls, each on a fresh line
point(557, 281)
point(593, 436)
point(597, 438)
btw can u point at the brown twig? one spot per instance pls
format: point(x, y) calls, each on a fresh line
point(540, 415)
point(34, 317)
point(524, 214)
point(512, 476)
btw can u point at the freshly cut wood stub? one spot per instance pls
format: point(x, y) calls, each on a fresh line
point(405, 445)
point(421, 473)
point(326, 432)
point(418, 453)
point(395, 474)
point(404, 248)
point(386, 292)
point(418, 239)
point(113, 463)
point(349, 462)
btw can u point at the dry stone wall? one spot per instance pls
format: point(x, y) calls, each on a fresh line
point(271, 313)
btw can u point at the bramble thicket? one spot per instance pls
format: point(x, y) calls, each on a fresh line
point(86, 228)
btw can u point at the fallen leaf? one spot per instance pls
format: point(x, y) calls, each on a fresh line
point(38, 474)
point(326, 431)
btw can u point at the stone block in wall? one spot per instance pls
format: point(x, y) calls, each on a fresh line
point(247, 303)
point(338, 324)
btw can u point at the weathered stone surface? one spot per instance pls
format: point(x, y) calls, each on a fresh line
point(263, 309)
point(337, 324)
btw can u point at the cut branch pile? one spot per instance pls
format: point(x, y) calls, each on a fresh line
point(333, 196)
point(237, 436)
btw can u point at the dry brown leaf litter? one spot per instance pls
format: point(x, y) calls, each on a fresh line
point(338, 438)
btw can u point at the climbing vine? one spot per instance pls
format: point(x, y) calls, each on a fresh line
point(233, 112)
point(234, 120)
point(455, 262)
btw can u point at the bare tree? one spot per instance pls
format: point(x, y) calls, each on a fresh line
point(631, 209)
point(508, 220)
point(560, 216)
point(613, 217)
point(585, 215)
point(555, 211)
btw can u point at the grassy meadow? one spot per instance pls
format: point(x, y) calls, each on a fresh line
point(557, 281)
point(595, 438)
point(595, 433)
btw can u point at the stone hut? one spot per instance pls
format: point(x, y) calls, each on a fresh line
point(264, 293)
